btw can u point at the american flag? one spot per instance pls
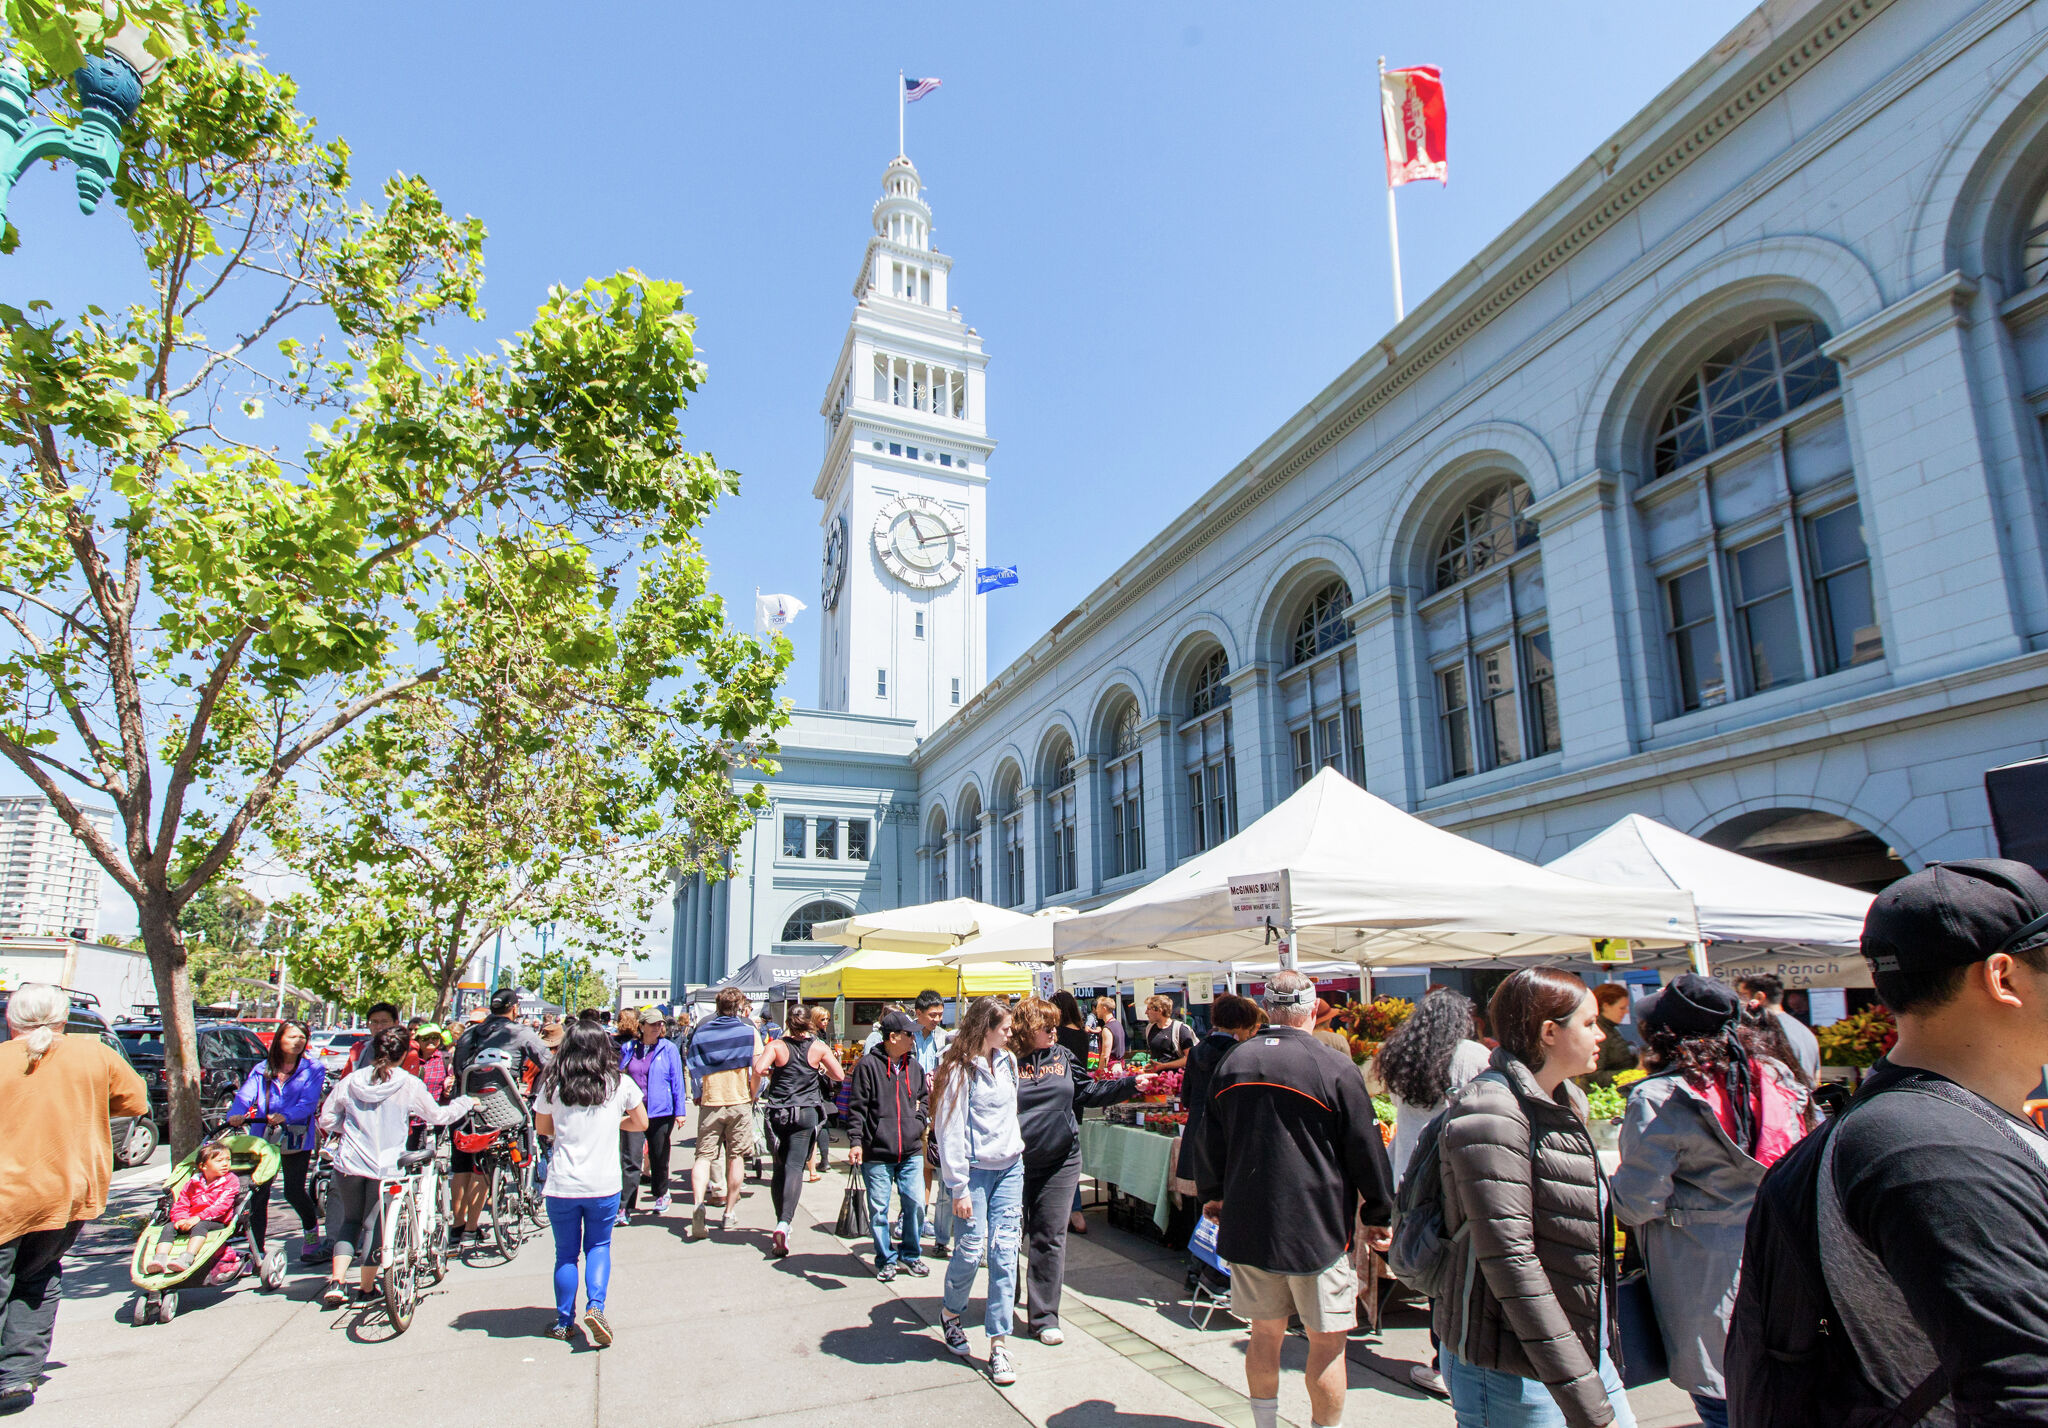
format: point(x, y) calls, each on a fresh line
point(916, 89)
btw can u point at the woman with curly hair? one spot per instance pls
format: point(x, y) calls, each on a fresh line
point(1428, 1056)
point(981, 1161)
point(1717, 1110)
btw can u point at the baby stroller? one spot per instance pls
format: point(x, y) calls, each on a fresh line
point(256, 1161)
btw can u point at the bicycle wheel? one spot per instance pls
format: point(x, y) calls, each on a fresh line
point(402, 1273)
point(505, 1209)
point(437, 1231)
point(536, 1198)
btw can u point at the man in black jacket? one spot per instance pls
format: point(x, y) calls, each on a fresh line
point(1290, 1150)
point(885, 1129)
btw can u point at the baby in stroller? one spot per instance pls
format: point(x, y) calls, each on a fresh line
point(205, 1204)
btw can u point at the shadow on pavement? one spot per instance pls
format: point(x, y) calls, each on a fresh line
point(1100, 1413)
point(813, 1268)
point(893, 1335)
point(523, 1321)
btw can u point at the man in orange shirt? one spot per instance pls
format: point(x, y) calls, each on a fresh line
point(58, 1095)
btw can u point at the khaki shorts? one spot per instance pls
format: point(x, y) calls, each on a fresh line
point(1326, 1301)
point(726, 1128)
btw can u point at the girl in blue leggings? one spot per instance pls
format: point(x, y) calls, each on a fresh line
point(584, 1102)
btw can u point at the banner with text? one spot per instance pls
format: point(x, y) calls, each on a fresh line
point(1259, 898)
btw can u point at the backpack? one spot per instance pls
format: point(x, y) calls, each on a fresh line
point(1422, 1256)
point(1790, 1362)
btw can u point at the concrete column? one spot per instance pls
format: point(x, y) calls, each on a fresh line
point(1940, 560)
point(722, 958)
point(956, 866)
point(1258, 735)
point(1164, 784)
point(1589, 599)
point(1382, 625)
point(991, 856)
point(1028, 844)
point(1088, 819)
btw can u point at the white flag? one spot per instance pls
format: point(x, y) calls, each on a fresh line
point(772, 613)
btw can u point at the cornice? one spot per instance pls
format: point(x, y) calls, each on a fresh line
point(1591, 492)
point(1942, 303)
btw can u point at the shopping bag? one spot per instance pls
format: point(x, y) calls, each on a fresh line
point(853, 1211)
point(1643, 1359)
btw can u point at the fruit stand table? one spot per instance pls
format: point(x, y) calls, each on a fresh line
point(1137, 1162)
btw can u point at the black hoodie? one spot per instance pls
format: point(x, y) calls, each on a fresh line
point(885, 1106)
point(1053, 1088)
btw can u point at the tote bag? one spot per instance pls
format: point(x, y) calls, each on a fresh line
point(1643, 1359)
point(853, 1211)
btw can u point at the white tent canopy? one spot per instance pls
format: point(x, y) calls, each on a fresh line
point(1756, 916)
point(1370, 885)
point(1027, 940)
point(925, 927)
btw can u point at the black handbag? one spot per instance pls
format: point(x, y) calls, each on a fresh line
point(1643, 1359)
point(853, 1211)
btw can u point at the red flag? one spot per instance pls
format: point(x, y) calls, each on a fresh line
point(1412, 122)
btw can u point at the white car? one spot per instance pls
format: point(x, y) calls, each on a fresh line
point(331, 1048)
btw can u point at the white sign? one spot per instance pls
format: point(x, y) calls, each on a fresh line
point(1259, 898)
point(1140, 990)
point(1046, 986)
point(1201, 988)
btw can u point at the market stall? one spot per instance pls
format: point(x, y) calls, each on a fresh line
point(922, 928)
point(899, 976)
point(1347, 877)
point(1754, 917)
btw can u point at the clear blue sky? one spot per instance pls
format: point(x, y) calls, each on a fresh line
point(1167, 220)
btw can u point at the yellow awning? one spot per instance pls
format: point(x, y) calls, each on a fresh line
point(899, 976)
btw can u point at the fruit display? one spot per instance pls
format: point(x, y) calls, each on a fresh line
point(1858, 1039)
point(1366, 1024)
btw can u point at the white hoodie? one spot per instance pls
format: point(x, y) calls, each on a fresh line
point(373, 1117)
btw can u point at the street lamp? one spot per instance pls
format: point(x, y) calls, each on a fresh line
point(109, 88)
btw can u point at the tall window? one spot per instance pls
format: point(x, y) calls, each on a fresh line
point(798, 928)
point(1496, 699)
point(970, 845)
point(792, 835)
point(1322, 625)
point(936, 851)
point(1754, 380)
point(1208, 758)
point(2034, 245)
point(857, 839)
point(828, 838)
point(1754, 535)
point(1319, 689)
point(1125, 780)
point(1062, 859)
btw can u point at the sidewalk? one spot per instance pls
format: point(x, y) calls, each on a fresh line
point(708, 1334)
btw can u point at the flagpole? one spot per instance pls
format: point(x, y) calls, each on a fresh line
point(1393, 223)
point(899, 113)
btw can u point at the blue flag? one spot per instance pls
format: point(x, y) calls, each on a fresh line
point(987, 578)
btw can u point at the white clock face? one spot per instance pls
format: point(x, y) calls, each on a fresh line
point(922, 542)
point(833, 577)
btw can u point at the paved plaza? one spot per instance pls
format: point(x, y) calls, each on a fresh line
point(710, 1333)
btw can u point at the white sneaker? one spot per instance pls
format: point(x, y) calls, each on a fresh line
point(1001, 1371)
point(660, 1205)
point(1051, 1336)
point(1426, 1378)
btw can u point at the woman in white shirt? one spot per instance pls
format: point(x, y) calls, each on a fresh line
point(584, 1102)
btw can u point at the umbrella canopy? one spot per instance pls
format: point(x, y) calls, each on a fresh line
point(866, 974)
point(923, 927)
point(1362, 882)
point(759, 977)
point(1027, 941)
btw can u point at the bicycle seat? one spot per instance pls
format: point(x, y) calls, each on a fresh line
point(414, 1159)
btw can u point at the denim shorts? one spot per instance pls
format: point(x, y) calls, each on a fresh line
point(1488, 1398)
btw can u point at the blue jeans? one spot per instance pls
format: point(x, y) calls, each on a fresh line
point(583, 1227)
point(998, 1198)
point(1487, 1398)
point(1713, 1412)
point(907, 1175)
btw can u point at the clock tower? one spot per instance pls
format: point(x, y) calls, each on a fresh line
point(901, 485)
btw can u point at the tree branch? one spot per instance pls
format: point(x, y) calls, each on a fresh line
point(74, 818)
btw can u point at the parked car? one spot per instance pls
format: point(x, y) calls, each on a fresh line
point(265, 1027)
point(227, 1052)
point(135, 1137)
point(331, 1048)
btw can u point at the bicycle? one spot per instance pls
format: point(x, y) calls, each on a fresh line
point(416, 1215)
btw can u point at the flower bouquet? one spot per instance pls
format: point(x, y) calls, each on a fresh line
point(1858, 1039)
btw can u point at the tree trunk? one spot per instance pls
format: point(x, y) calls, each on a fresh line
point(167, 964)
point(451, 964)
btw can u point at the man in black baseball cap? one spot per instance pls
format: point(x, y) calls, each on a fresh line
point(1931, 1194)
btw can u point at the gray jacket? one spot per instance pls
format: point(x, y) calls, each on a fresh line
point(975, 1124)
point(1688, 1189)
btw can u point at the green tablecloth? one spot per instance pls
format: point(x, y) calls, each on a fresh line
point(1137, 1162)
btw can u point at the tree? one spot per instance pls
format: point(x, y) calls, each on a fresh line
point(192, 616)
point(222, 927)
point(571, 983)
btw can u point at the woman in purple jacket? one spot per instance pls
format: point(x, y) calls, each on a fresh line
point(657, 1069)
point(282, 1096)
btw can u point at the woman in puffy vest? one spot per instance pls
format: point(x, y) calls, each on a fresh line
point(1718, 1110)
point(1526, 1340)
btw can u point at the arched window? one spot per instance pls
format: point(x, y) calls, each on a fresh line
point(798, 928)
point(1212, 684)
point(1009, 886)
point(1488, 531)
point(1750, 382)
point(1124, 780)
point(1322, 625)
point(2034, 245)
point(1062, 858)
point(1487, 637)
point(936, 850)
point(1755, 538)
point(1208, 757)
point(970, 845)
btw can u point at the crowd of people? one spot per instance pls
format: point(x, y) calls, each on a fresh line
point(1881, 1264)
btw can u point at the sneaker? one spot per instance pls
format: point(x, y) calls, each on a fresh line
point(916, 1268)
point(561, 1332)
point(1426, 1378)
point(697, 1221)
point(729, 1220)
point(334, 1296)
point(941, 1251)
point(956, 1337)
point(595, 1326)
point(1000, 1371)
point(886, 1273)
point(778, 1245)
point(660, 1205)
point(1051, 1336)
point(313, 1251)
point(155, 1266)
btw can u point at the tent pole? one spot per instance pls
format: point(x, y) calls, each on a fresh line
point(1699, 959)
point(1289, 957)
